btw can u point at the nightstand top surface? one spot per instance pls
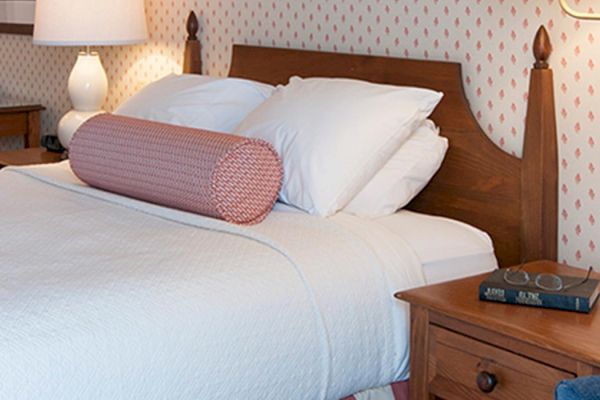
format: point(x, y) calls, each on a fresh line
point(35, 155)
point(568, 333)
point(16, 105)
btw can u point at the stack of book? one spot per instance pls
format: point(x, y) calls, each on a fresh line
point(580, 298)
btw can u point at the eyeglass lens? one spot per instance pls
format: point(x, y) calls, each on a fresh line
point(516, 277)
point(549, 282)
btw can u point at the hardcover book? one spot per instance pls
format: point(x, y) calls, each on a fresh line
point(580, 298)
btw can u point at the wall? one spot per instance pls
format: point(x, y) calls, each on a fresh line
point(491, 38)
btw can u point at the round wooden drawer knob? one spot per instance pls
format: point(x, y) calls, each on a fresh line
point(486, 382)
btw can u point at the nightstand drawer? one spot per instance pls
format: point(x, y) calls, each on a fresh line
point(461, 367)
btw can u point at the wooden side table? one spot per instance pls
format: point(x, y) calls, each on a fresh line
point(35, 155)
point(20, 119)
point(463, 348)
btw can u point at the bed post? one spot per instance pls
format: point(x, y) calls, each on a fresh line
point(192, 60)
point(539, 176)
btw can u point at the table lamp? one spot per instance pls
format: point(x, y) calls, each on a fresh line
point(87, 23)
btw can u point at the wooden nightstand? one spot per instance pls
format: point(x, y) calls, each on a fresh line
point(36, 155)
point(462, 348)
point(19, 118)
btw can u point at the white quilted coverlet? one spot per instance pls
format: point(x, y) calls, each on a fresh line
point(105, 297)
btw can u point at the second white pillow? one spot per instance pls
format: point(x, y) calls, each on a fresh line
point(334, 135)
point(404, 176)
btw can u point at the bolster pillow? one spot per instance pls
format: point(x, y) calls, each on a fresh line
point(218, 175)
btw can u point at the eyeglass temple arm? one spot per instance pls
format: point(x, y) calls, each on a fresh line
point(581, 282)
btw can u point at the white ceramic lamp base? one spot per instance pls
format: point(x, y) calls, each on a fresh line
point(88, 87)
point(70, 122)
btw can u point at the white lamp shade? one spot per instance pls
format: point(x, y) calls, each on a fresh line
point(89, 22)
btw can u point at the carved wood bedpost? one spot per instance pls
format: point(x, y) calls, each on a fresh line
point(192, 60)
point(539, 176)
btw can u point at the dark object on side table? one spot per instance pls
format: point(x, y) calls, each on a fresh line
point(52, 144)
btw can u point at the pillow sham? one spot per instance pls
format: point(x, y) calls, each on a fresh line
point(218, 175)
point(335, 134)
point(197, 101)
point(404, 176)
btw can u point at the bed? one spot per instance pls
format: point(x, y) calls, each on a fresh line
point(103, 296)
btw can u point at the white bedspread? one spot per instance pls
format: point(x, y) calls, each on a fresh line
point(104, 297)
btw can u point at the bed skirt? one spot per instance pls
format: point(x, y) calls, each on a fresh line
point(395, 391)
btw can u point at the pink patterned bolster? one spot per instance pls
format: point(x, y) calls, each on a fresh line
point(222, 176)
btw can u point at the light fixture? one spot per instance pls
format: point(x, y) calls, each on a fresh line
point(87, 23)
point(577, 14)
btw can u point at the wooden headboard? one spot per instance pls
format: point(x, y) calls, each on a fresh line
point(514, 200)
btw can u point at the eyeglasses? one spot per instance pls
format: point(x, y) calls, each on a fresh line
point(548, 282)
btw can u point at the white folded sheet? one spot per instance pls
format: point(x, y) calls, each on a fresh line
point(105, 297)
point(448, 249)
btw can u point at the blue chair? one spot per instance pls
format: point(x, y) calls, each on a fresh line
point(587, 388)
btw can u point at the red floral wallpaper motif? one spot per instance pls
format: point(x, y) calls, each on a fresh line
point(491, 38)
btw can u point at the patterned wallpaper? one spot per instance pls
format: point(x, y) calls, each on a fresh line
point(491, 38)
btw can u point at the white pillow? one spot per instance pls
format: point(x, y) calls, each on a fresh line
point(404, 175)
point(333, 135)
point(196, 101)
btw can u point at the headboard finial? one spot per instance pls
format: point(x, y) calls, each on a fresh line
point(192, 26)
point(192, 61)
point(542, 48)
